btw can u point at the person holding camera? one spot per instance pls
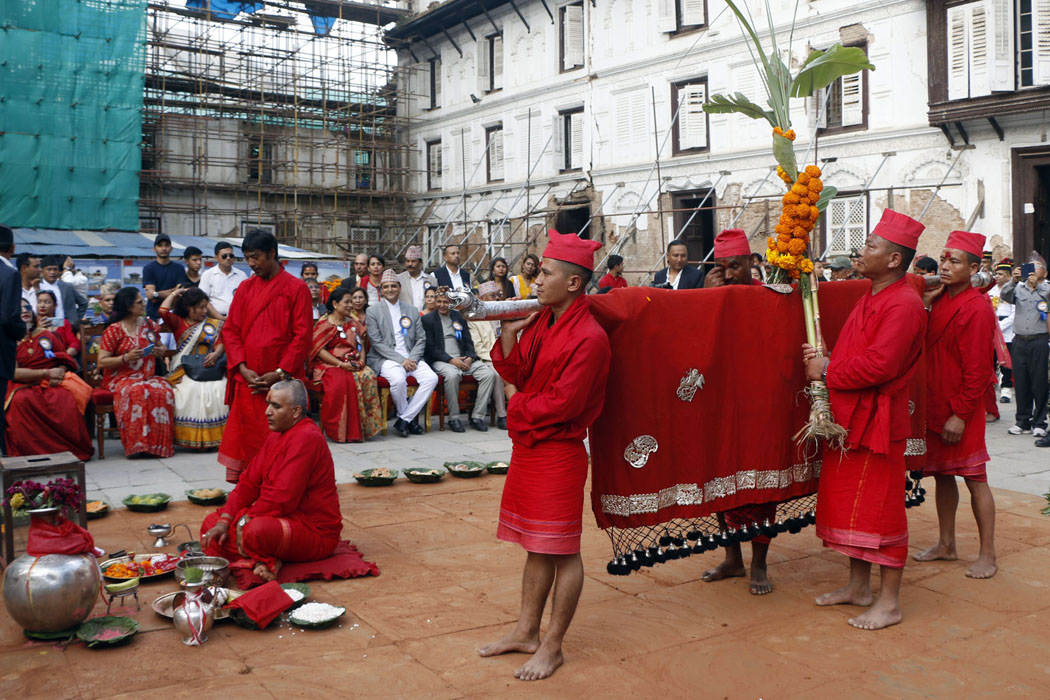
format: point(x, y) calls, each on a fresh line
point(1029, 292)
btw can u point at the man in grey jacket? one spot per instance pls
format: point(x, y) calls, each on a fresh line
point(70, 304)
point(1029, 350)
point(398, 341)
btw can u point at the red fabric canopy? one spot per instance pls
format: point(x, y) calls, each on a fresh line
point(733, 443)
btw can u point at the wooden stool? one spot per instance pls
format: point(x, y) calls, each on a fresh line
point(42, 468)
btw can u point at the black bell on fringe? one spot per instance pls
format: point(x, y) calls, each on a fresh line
point(794, 525)
point(768, 529)
point(634, 562)
point(744, 534)
point(660, 556)
point(811, 517)
point(725, 539)
point(781, 525)
point(693, 535)
point(648, 559)
point(665, 540)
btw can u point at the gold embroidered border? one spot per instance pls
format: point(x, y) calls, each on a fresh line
point(720, 487)
point(914, 447)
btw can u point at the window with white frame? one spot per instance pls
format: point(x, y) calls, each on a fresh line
point(674, 16)
point(434, 164)
point(846, 223)
point(490, 63)
point(434, 82)
point(997, 46)
point(844, 103)
point(498, 238)
point(568, 144)
point(494, 144)
point(690, 128)
point(571, 25)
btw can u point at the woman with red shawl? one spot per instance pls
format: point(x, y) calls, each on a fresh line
point(350, 410)
point(143, 403)
point(45, 308)
point(45, 401)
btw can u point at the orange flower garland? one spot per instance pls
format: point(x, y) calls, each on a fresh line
point(788, 249)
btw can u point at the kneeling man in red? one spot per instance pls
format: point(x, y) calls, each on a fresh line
point(860, 510)
point(555, 378)
point(284, 507)
point(959, 342)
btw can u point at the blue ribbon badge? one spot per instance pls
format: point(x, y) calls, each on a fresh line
point(1041, 307)
point(406, 323)
point(45, 344)
point(458, 328)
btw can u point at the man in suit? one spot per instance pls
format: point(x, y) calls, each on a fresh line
point(678, 274)
point(397, 344)
point(69, 304)
point(415, 282)
point(450, 274)
point(358, 272)
point(450, 351)
point(12, 328)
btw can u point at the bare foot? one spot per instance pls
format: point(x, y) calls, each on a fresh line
point(263, 571)
point(760, 583)
point(511, 644)
point(937, 551)
point(542, 664)
point(723, 570)
point(845, 596)
point(984, 567)
point(878, 617)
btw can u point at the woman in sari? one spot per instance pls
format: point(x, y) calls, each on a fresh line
point(499, 272)
point(530, 267)
point(45, 309)
point(350, 410)
point(143, 403)
point(45, 401)
point(358, 307)
point(200, 403)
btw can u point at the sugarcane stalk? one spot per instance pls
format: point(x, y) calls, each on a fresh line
point(821, 424)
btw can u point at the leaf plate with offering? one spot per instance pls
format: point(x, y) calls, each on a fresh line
point(497, 467)
point(147, 503)
point(316, 615)
point(107, 631)
point(380, 476)
point(207, 497)
point(465, 470)
point(423, 475)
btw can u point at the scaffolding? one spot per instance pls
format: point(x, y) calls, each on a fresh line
point(266, 119)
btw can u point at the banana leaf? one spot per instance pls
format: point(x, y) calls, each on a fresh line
point(822, 68)
point(826, 195)
point(738, 104)
point(784, 152)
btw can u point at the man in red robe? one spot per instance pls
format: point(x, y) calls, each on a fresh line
point(860, 511)
point(555, 384)
point(733, 267)
point(959, 345)
point(285, 506)
point(267, 336)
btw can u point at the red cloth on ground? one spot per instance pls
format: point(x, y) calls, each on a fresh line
point(288, 492)
point(860, 504)
point(64, 537)
point(345, 562)
point(709, 457)
point(269, 326)
point(959, 374)
point(42, 419)
point(560, 368)
point(263, 604)
point(609, 281)
point(143, 403)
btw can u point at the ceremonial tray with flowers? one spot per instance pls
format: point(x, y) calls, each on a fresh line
point(465, 470)
point(144, 566)
point(380, 476)
point(424, 475)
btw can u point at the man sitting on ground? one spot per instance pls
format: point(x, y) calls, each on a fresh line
point(450, 351)
point(285, 506)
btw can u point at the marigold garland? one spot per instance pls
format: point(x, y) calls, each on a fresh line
point(788, 249)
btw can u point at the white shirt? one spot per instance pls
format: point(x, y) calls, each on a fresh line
point(220, 287)
point(677, 279)
point(456, 278)
point(1004, 311)
point(77, 279)
point(30, 296)
point(418, 289)
point(53, 288)
point(395, 319)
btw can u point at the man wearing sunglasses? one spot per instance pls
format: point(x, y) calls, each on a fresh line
point(221, 281)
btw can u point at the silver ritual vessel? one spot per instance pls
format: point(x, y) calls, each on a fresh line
point(474, 309)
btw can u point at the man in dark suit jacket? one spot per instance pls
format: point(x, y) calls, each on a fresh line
point(12, 328)
point(450, 351)
point(450, 274)
point(397, 342)
point(678, 274)
point(358, 272)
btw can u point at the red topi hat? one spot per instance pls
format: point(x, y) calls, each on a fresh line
point(732, 241)
point(900, 229)
point(568, 247)
point(972, 243)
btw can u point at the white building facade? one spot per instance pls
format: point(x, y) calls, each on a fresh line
point(540, 113)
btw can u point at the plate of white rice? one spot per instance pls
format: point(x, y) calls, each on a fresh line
point(316, 615)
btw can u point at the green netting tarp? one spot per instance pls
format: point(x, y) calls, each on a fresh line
point(71, 85)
